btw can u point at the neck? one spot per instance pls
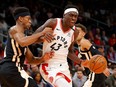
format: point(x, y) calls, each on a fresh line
point(20, 28)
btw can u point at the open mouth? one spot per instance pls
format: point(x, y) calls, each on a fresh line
point(72, 22)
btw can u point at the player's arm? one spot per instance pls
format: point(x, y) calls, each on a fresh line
point(72, 55)
point(94, 51)
point(31, 59)
point(48, 36)
point(76, 59)
point(88, 46)
point(48, 25)
point(24, 40)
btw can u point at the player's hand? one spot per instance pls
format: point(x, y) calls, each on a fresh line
point(106, 72)
point(48, 55)
point(48, 37)
point(85, 63)
point(48, 34)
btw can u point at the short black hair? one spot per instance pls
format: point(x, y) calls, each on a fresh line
point(20, 11)
point(70, 6)
point(84, 29)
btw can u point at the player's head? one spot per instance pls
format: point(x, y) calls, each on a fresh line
point(82, 30)
point(22, 16)
point(70, 15)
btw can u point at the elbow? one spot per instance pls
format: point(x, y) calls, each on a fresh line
point(23, 44)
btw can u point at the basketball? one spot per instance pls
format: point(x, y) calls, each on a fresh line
point(97, 64)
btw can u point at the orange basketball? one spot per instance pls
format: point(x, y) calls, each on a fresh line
point(97, 64)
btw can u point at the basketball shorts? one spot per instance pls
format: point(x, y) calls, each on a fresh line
point(51, 73)
point(95, 80)
point(11, 76)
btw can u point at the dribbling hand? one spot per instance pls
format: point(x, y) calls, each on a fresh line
point(85, 63)
point(106, 72)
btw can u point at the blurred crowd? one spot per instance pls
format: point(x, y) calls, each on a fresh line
point(96, 15)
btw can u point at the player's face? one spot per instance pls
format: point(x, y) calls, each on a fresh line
point(81, 34)
point(70, 18)
point(27, 22)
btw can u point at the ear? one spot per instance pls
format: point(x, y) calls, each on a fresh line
point(63, 15)
point(20, 18)
point(84, 33)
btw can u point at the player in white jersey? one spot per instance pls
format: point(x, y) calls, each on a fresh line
point(56, 71)
point(58, 65)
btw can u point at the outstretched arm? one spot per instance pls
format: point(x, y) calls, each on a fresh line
point(49, 23)
point(48, 36)
point(23, 40)
point(48, 26)
point(76, 59)
point(73, 56)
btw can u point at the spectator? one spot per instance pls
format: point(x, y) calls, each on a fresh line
point(37, 77)
point(112, 40)
point(97, 40)
point(3, 28)
point(34, 68)
point(1, 51)
point(104, 37)
point(79, 79)
point(111, 54)
point(111, 80)
point(90, 36)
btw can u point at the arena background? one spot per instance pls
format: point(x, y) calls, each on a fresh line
point(98, 16)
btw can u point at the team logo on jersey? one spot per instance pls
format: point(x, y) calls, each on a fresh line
point(69, 34)
point(57, 29)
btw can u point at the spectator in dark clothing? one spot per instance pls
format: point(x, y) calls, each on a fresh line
point(111, 80)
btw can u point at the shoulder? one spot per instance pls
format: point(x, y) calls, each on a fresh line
point(51, 22)
point(12, 31)
point(85, 43)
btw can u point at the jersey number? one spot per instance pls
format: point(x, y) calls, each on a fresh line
point(55, 46)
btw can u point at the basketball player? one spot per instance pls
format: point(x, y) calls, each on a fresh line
point(56, 70)
point(12, 73)
point(86, 51)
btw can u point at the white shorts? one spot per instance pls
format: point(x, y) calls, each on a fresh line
point(51, 73)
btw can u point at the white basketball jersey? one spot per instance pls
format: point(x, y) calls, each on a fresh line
point(60, 44)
